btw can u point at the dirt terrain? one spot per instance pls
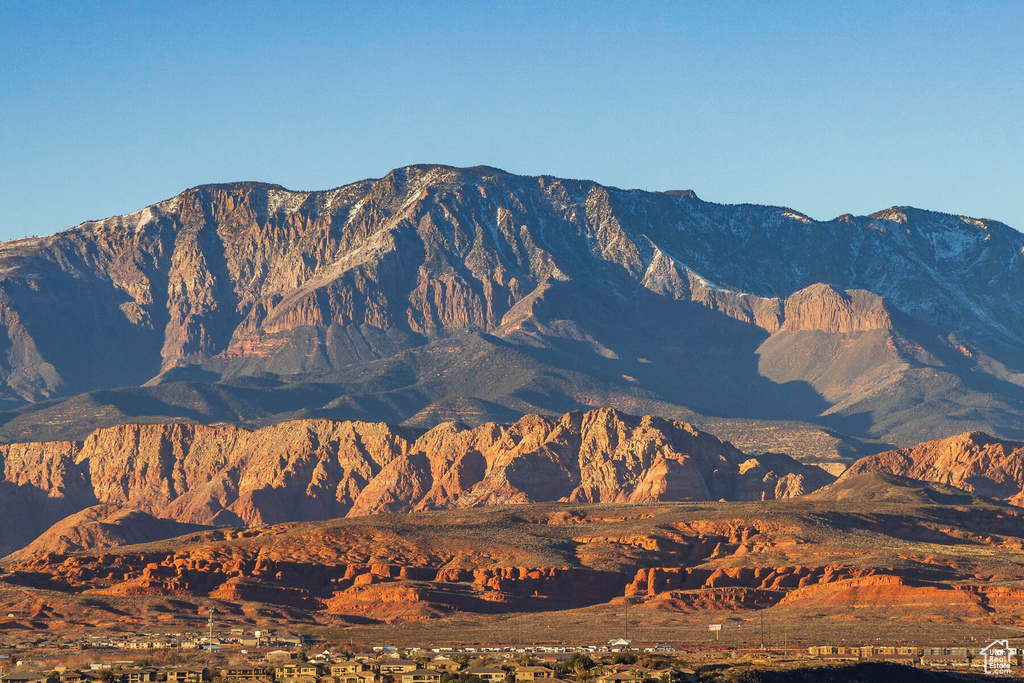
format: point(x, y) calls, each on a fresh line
point(871, 554)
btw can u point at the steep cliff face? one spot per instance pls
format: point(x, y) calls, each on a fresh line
point(821, 308)
point(972, 461)
point(318, 469)
point(249, 280)
point(598, 456)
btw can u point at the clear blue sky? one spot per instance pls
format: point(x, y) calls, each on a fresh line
point(826, 107)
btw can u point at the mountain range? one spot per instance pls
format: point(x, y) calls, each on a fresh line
point(437, 294)
point(230, 394)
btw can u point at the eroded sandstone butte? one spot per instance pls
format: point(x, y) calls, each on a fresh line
point(319, 469)
point(972, 461)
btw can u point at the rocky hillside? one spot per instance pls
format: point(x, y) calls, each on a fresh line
point(972, 461)
point(317, 469)
point(839, 562)
point(103, 526)
point(437, 293)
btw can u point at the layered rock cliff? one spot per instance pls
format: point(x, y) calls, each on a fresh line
point(318, 469)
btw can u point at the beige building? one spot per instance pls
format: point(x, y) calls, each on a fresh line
point(393, 667)
point(420, 676)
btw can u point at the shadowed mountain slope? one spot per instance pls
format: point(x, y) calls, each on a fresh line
point(103, 526)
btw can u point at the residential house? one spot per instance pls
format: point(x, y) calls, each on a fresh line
point(620, 677)
point(444, 664)
point(241, 673)
point(677, 675)
point(351, 667)
point(72, 676)
point(420, 676)
point(290, 639)
point(182, 674)
point(353, 672)
point(531, 673)
point(143, 675)
point(27, 678)
point(393, 667)
point(368, 676)
point(149, 643)
point(945, 661)
point(487, 674)
point(295, 670)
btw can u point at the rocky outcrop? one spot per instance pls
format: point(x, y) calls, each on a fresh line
point(889, 541)
point(319, 469)
point(821, 308)
point(972, 461)
point(598, 456)
point(818, 307)
point(103, 526)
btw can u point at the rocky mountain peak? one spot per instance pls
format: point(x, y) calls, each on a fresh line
point(689, 194)
point(896, 214)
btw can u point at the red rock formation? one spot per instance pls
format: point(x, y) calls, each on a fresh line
point(103, 526)
point(971, 461)
point(318, 469)
point(840, 553)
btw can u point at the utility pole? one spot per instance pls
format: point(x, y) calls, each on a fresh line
point(626, 620)
point(209, 641)
point(762, 629)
